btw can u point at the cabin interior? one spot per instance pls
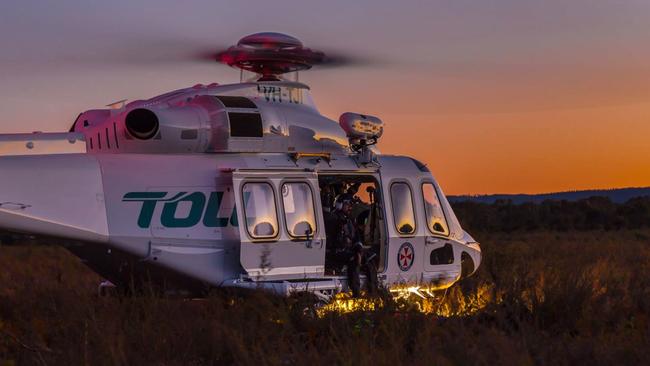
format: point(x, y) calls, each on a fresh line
point(367, 213)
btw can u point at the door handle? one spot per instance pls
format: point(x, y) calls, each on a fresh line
point(312, 243)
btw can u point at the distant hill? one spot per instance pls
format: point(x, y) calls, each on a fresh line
point(621, 195)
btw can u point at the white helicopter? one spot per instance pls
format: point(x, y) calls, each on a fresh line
point(231, 186)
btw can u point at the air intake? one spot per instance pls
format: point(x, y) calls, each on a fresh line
point(142, 123)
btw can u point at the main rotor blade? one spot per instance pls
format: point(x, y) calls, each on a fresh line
point(139, 51)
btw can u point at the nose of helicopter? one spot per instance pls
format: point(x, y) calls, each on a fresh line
point(470, 259)
point(53, 195)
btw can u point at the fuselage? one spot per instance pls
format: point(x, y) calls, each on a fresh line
point(227, 186)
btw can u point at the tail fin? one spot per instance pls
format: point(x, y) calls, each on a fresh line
point(53, 195)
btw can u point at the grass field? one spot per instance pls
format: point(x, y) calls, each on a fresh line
point(539, 298)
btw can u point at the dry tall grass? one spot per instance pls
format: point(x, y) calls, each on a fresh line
point(550, 298)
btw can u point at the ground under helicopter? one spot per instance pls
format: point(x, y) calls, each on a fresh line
point(230, 185)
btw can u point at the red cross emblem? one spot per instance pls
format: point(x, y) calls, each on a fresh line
point(405, 256)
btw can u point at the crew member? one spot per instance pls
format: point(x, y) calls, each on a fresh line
point(327, 198)
point(351, 193)
point(352, 249)
point(353, 254)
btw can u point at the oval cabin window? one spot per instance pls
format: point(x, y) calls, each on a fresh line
point(299, 210)
point(260, 210)
point(403, 212)
point(436, 221)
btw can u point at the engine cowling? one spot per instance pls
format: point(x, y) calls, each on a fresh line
point(263, 118)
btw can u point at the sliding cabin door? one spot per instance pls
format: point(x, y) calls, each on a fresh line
point(280, 224)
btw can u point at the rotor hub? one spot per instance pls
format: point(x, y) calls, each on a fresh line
point(270, 55)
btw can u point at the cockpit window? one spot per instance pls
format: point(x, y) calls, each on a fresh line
point(260, 210)
point(299, 213)
point(403, 213)
point(433, 209)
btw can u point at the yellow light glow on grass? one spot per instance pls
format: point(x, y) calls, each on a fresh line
point(425, 299)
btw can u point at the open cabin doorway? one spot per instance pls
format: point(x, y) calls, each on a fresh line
point(367, 213)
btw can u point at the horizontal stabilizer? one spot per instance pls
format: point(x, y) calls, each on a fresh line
point(41, 143)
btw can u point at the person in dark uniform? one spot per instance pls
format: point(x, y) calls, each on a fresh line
point(352, 252)
point(332, 261)
point(351, 193)
point(327, 198)
point(351, 249)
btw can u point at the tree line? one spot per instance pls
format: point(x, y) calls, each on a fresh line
point(594, 213)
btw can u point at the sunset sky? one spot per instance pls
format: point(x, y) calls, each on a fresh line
point(497, 96)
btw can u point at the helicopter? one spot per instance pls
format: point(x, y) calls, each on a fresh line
point(216, 186)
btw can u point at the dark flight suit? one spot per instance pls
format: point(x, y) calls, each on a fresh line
point(333, 247)
point(351, 251)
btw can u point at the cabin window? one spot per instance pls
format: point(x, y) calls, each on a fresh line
point(260, 210)
point(403, 212)
point(433, 209)
point(299, 213)
point(444, 255)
